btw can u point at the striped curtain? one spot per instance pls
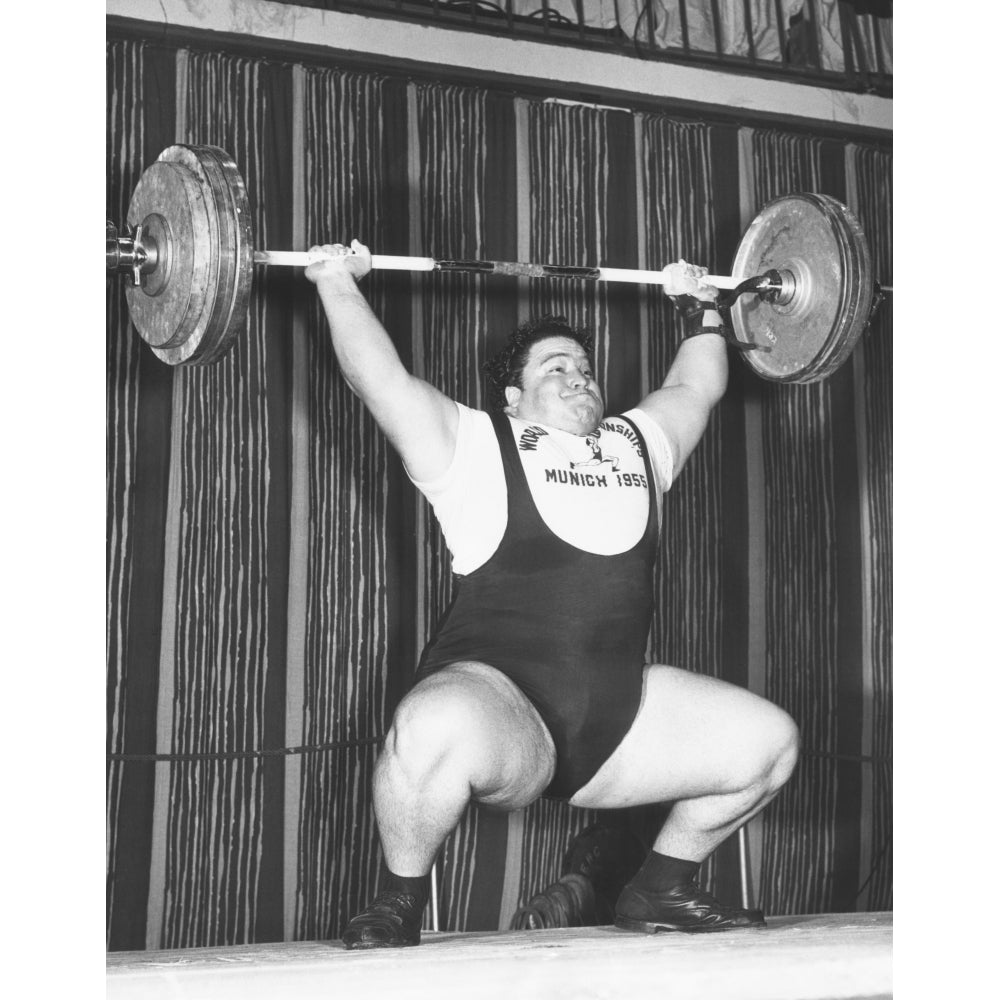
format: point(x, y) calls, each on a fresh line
point(870, 168)
point(811, 582)
point(272, 575)
point(568, 184)
point(222, 657)
point(141, 119)
point(800, 588)
point(124, 162)
point(340, 679)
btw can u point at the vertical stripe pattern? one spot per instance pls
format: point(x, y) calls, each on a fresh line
point(755, 540)
point(298, 555)
point(125, 138)
point(213, 831)
point(346, 615)
point(873, 187)
point(568, 211)
point(800, 588)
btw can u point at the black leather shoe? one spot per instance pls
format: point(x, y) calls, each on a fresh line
point(568, 902)
point(391, 921)
point(685, 907)
point(609, 858)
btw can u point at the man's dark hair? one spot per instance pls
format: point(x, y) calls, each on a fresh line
point(507, 366)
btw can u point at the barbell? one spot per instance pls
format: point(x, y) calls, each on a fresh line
point(800, 295)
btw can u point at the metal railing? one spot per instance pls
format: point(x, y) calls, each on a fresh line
point(839, 44)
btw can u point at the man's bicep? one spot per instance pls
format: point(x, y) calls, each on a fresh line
point(682, 415)
point(421, 423)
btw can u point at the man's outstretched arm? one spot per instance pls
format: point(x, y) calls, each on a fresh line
point(698, 375)
point(420, 422)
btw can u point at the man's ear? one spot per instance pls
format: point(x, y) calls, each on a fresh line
point(512, 395)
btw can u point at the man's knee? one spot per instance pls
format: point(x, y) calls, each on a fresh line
point(472, 726)
point(430, 725)
point(768, 751)
point(784, 741)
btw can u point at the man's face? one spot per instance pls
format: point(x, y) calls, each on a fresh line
point(558, 388)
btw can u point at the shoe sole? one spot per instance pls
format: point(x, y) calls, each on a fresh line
point(651, 927)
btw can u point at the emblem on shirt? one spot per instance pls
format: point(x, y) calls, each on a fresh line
point(594, 442)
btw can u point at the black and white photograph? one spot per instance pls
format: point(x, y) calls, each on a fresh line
point(499, 500)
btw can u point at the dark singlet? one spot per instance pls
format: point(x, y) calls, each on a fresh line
point(568, 627)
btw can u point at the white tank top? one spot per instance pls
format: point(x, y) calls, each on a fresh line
point(590, 491)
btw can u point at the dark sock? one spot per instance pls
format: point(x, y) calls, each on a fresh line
point(660, 872)
point(417, 885)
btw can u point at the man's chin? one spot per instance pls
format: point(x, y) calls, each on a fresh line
point(587, 418)
point(581, 418)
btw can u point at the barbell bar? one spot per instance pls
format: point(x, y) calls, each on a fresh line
point(801, 293)
point(381, 262)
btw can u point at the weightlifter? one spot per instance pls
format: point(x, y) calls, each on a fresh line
point(535, 682)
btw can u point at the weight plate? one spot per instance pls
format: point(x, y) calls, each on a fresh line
point(208, 251)
point(193, 203)
point(236, 255)
point(167, 306)
point(818, 242)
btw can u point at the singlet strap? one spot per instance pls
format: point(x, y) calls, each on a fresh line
point(520, 505)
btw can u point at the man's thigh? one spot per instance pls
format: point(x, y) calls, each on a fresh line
point(693, 735)
point(492, 728)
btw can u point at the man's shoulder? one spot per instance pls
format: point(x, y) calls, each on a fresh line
point(474, 419)
point(475, 433)
point(472, 411)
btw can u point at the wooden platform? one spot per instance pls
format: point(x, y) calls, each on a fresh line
point(847, 955)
